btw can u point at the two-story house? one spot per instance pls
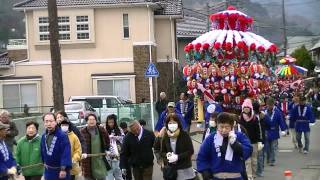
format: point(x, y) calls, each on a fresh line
point(104, 50)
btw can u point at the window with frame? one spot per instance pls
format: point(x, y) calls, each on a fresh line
point(64, 28)
point(15, 96)
point(44, 28)
point(126, 32)
point(83, 31)
point(118, 87)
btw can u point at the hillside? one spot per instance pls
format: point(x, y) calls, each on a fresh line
point(268, 17)
point(11, 22)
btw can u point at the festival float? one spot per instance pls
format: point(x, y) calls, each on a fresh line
point(229, 62)
point(289, 76)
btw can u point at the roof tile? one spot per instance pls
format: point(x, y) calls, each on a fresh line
point(169, 7)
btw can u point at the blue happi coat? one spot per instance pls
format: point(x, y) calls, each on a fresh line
point(57, 155)
point(6, 160)
point(301, 116)
point(187, 111)
point(291, 123)
point(208, 159)
point(162, 119)
point(273, 121)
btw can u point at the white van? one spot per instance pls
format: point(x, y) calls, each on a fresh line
point(106, 105)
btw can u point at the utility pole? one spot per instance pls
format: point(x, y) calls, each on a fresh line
point(56, 69)
point(285, 41)
point(227, 3)
point(208, 17)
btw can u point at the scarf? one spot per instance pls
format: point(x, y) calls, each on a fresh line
point(173, 134)
point(218, 140)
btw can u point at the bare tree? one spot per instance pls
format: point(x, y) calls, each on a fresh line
point(57, 83)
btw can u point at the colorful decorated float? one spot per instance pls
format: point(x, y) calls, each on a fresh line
point(289, 76)
point(230, 62)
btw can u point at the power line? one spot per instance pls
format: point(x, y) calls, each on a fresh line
point(288, 4)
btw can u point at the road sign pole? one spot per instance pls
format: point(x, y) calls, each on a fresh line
point(151, 101)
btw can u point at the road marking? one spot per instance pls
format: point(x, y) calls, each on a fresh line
point(285, 150)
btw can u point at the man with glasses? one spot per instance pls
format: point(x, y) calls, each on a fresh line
point(12, 132)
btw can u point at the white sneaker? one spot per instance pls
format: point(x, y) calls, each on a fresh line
point(305, 152)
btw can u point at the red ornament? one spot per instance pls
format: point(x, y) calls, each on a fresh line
point(253, 47)
point(249, 20)
point(187, 48)
point(240, 44)
point(187, 71)
point(198, 46)
point(228, 46)
point(273, 48)
point(242, 22)
point(217, 45)
point(231, 8)
point(190, 46)
point(232, 19)
point(221, 19)
point(261, 49)
point(205, 46)
point(213, 17)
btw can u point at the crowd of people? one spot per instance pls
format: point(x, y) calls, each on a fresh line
point(235, 146)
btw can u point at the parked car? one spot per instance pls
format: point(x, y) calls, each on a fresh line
point(106, 105)
point(78, 111)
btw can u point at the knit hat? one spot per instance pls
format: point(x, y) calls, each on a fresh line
point(247, 103)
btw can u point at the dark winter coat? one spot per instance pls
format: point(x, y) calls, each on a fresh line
point(105, 144)
point(184, 149)
point(137, 153)
point(10, 137)
point(252, 128)
point(161, 105)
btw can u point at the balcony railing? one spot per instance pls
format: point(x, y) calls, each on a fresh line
point(15, 44)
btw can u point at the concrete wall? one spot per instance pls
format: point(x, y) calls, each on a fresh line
point(165, 39)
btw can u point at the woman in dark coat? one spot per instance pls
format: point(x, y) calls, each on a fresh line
point(175, 148)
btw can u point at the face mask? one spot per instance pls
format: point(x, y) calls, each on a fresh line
point(172, 127)
point(212, 124)
point(65, 128)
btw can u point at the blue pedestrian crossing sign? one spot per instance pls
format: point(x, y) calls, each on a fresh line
point(151, 71)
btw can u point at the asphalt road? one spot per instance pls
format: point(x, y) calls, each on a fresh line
point(303, 167)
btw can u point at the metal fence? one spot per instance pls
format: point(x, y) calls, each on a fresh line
point(126, 113)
